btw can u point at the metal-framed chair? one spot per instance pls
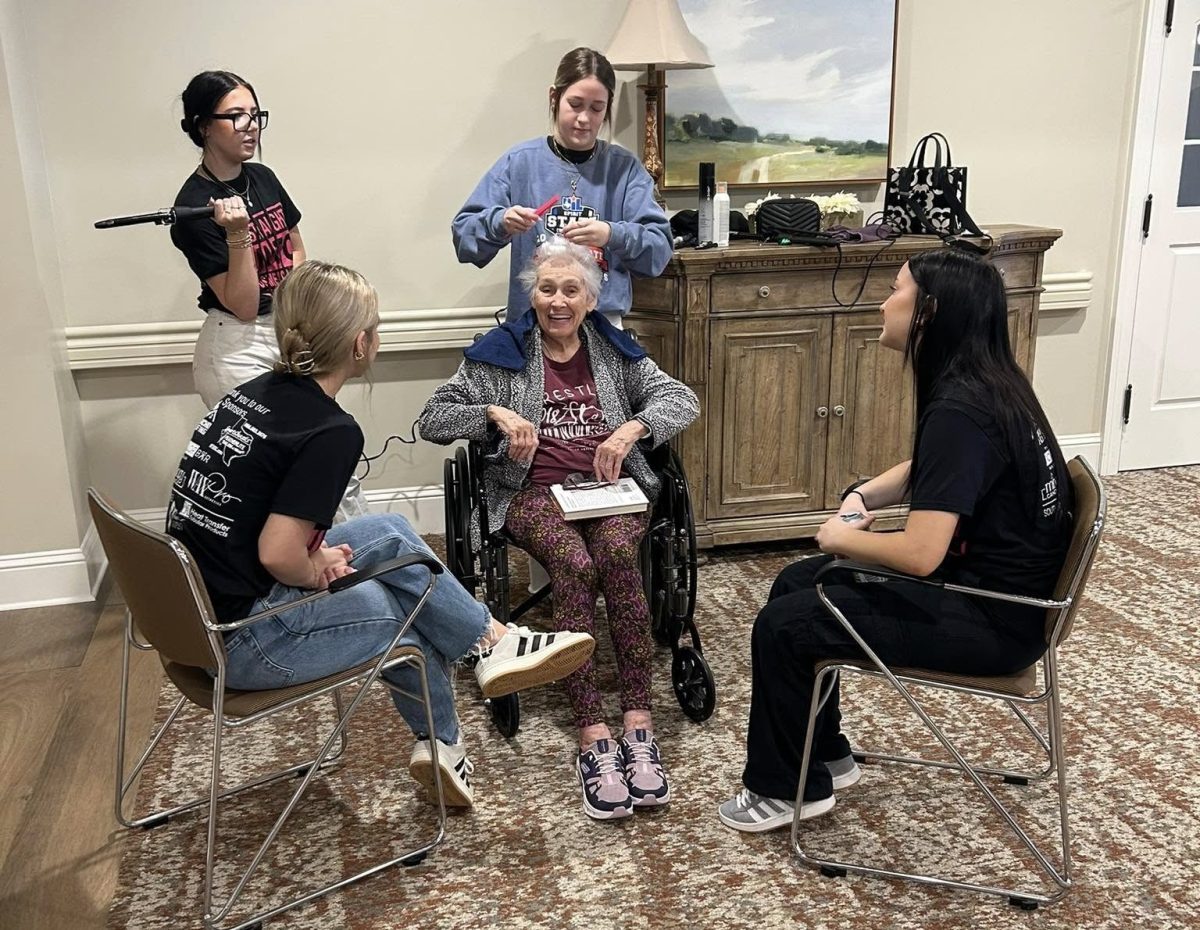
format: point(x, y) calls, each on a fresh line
point(1018, 692)
point(169, 612)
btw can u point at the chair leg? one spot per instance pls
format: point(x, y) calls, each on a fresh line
point(1022, 897)
point(212, 919)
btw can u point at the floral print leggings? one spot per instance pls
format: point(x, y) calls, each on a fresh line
point(584, 557)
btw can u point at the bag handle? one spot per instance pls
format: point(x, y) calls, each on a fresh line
point(917, 159)
point(918, 156)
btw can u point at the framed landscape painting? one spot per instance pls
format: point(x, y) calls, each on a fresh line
point(800, 92)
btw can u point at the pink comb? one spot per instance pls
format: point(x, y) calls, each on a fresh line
point(540, 211)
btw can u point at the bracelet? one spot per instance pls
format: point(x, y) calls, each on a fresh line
point(862, 497)
point(242, 241)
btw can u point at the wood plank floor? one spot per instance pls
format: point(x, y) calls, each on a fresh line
point(59, 840)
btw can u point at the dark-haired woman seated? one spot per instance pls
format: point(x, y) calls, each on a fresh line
point(990, 507)
point(559, 391)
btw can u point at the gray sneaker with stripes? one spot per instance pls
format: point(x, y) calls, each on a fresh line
point(754, 813)
point(523, 659)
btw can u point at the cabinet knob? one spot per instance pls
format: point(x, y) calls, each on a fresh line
point(839, 411)
point(822, 412)
point(764, 291)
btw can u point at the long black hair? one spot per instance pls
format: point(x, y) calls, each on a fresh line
point(958, 340)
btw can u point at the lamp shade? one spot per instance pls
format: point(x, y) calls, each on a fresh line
point(652, 32)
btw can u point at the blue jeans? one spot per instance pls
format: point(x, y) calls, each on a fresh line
point(354, 626)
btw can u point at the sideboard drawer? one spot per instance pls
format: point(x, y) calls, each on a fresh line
point(769, 291)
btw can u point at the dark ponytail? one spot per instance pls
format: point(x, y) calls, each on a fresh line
point(201, 97)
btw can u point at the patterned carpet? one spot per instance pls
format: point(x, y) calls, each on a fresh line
point(527, 857)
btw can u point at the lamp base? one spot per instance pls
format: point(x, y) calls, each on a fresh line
point(651, 156)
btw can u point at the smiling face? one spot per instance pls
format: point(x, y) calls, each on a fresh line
point(898, 311)
point(561, 299)
point(221, 138)
point(582, 108)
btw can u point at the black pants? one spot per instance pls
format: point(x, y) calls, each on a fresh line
point(905, 623)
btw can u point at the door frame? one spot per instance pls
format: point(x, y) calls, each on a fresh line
point(1130, 244)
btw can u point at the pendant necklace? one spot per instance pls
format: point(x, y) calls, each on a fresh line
point(246, 194)
point(561, 152)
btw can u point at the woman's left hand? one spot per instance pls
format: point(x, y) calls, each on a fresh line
point(610, 454)
point(588, 232)
point(835, 531)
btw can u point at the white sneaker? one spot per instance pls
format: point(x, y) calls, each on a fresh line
point(845, 772)
point(456, 769)
point(524, 659)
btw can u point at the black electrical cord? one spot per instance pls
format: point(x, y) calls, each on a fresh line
point(368, 459)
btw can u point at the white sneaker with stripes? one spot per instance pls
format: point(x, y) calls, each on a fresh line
point(524, 659)
point(753, 813)
point(456, 769)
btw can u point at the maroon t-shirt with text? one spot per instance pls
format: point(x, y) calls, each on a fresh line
point(572, 422)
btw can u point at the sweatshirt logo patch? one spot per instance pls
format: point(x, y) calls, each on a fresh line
point(570, 208)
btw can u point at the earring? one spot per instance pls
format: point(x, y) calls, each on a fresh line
point(359, 356)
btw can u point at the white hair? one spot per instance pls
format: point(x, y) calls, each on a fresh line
point(558, 251)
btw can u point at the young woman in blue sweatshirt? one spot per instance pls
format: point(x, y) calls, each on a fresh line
point(572, 184)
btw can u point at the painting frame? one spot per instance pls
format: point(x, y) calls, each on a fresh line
point(685, 168)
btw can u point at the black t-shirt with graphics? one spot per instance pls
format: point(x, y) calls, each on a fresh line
point(1013, 530)
point(272, 217)
point(276, 444)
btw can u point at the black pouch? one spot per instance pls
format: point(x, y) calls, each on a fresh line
point(795, 220)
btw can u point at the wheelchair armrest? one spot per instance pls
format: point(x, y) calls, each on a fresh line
point(877, 571)
point(382, 568)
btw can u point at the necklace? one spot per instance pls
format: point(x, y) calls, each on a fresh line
point(229, 188)
point(563, 155)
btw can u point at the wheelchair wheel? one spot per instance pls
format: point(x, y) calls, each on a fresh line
point(505, 713)
point(693, 682)
point(673, 561)
point(451, 489)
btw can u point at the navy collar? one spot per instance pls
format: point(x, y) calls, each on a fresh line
point(504, 346)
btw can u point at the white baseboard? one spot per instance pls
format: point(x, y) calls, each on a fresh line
point(52, 577)
point(1085, 444)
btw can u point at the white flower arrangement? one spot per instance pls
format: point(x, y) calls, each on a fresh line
point(834, 204)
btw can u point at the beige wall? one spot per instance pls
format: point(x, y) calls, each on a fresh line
point(43, 467)
point(385, 114)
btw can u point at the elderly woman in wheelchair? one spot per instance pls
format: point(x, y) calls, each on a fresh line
point(557, 392)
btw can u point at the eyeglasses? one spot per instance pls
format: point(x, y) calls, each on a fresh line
point(579, 482)
point(241, 121)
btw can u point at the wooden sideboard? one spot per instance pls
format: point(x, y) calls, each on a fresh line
point(797, 397)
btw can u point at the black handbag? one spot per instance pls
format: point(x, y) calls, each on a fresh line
point(796, 220)
point(929, 198)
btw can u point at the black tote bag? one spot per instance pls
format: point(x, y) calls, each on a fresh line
point(929, 198)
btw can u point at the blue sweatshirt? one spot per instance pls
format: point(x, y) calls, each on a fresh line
point(613, 186)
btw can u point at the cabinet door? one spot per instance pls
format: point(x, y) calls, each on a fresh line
point(871, 404)
point(657, 336)
point(766, 447)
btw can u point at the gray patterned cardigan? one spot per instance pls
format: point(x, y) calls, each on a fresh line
point(625, 387)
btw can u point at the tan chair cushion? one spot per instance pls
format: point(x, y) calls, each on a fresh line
point(197, 686)
point(1023, 684)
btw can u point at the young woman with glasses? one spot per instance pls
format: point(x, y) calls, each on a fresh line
point(250, 244)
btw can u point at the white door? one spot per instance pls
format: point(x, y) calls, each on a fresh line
point(1163, 401)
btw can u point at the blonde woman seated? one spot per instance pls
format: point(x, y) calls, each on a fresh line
point(280, 450)
point(557, 391)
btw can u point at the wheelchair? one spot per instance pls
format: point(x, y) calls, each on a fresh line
point(668, 557)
